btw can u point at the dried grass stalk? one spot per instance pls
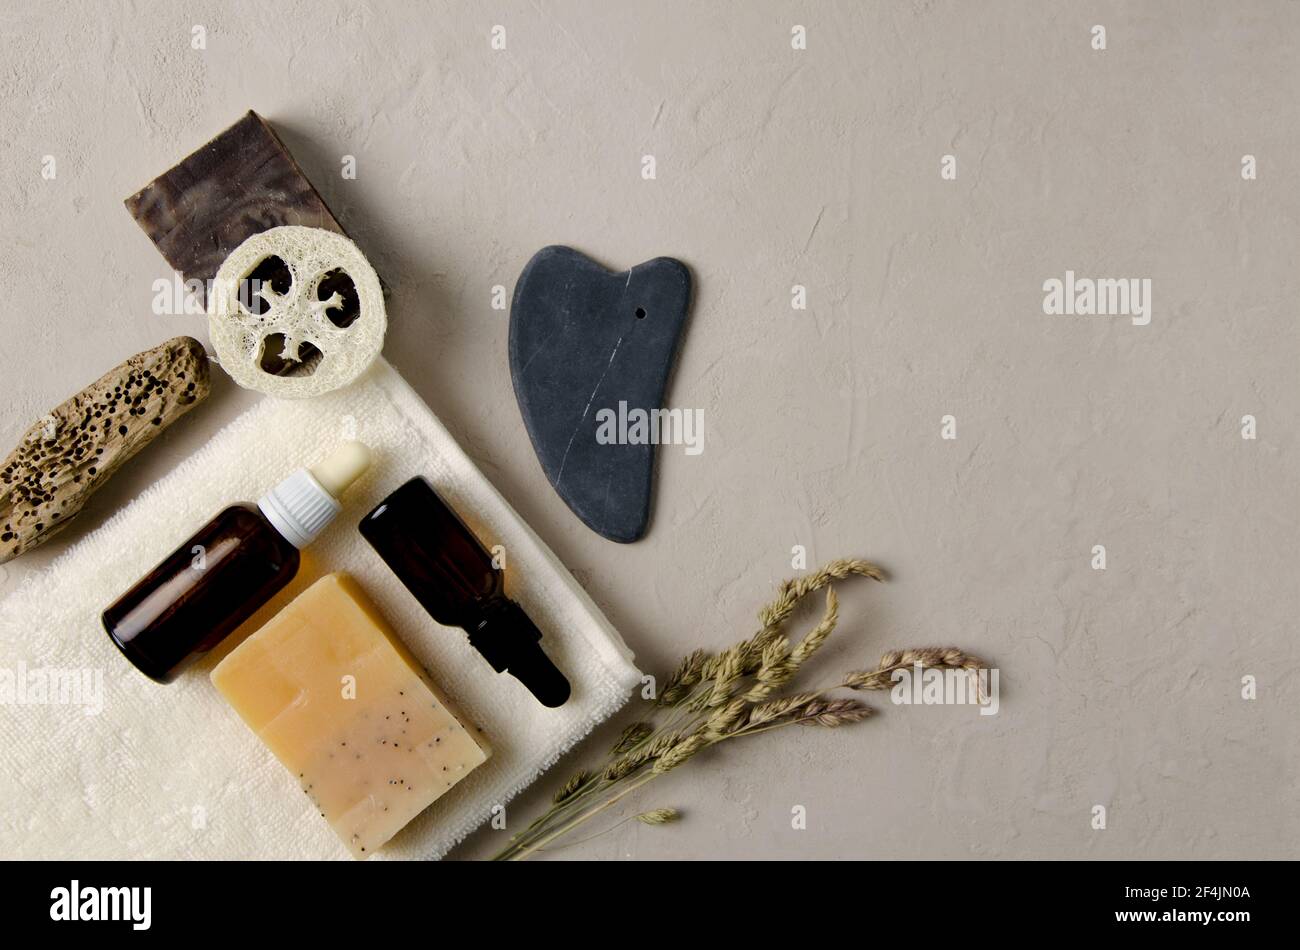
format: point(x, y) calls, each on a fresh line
point(713, 698)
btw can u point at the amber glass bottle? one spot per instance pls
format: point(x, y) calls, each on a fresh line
point(212, 583)
point(230, 567)
point(443, 564)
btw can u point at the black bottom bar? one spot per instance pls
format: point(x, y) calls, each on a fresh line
point(941, 900)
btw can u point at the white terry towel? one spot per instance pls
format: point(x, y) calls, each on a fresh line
point(171, 771)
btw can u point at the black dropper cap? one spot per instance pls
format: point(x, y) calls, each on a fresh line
point(512, 644)
point(431, 550)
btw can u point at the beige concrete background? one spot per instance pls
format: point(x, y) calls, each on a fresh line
point(820, 167)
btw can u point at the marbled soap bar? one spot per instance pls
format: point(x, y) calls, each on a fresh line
point(338, 698)
point(239, 184)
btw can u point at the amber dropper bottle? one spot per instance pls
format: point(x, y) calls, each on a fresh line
point(441, 562)
point(228, 569)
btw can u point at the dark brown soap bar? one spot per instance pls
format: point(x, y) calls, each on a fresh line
point(241, 183)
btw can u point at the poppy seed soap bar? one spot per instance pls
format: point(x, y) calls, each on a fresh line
point(342, 703)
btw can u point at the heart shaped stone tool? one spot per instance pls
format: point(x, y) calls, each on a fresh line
point(587, 342)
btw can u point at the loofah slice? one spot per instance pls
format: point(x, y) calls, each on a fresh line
point(296, 312)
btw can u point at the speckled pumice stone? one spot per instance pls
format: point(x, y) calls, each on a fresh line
point(69, 452)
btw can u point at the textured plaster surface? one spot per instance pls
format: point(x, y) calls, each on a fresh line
point(820, 167)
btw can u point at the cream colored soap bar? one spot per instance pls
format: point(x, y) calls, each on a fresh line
point(341, 702)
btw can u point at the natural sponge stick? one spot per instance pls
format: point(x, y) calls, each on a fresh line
point(72, 450)
point(340, 701)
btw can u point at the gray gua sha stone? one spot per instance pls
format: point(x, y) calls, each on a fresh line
point(582, 339)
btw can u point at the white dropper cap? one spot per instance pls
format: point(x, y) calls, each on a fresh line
point(304, 503)
point(341, 467)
